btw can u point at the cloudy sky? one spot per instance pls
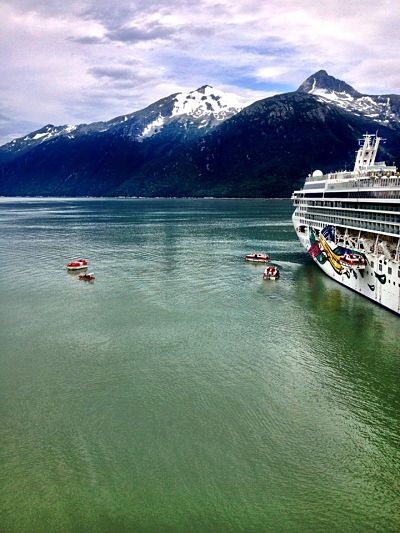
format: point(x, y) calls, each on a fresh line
point(86, 60)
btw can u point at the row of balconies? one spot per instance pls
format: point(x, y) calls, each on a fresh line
point(377, 227)
point(356, 215)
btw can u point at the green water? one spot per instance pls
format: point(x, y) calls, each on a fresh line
point(180, 391)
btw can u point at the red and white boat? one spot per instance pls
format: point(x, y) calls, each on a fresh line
point(87, 277)
point(257, 257)
point(271, 272)
point(78, 264)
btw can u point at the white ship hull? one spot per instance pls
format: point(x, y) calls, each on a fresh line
point(378, 280)
point(349, 223)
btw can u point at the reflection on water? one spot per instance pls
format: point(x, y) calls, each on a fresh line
point(361, 343)
point(180, 391)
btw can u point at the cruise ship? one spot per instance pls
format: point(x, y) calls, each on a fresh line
point(349, 223)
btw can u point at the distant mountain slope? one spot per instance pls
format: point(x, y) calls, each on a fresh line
point(201, 144)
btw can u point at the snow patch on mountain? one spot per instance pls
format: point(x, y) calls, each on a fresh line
point(202, 108)
point(332, 95)
point(153, 127)
point(70, 128)
point(376, 108)
point(205, 101)
point(38, 136)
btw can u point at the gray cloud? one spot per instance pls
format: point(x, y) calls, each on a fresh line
point(111, 16)
point(135, 34)
point(87, 40)
point(123, 76)
point(118, 73)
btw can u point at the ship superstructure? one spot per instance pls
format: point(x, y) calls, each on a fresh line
point(349, 222)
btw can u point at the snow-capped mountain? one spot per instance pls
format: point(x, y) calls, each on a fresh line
point(384, 109)
point(200, 144)
point(201, 109)
point(37, 137)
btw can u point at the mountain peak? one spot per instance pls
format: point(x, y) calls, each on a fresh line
point(203, 89)
point(322, 84)
point(202, 108)
point(381, 109)
point(206, 101)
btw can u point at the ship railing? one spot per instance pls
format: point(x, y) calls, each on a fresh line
point(345, 174)
point(365, 183)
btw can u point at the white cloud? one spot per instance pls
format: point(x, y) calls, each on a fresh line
point(88, 60)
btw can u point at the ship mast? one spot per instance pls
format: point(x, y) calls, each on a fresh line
point(367, 152)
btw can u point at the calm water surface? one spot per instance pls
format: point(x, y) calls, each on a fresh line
point(180, 391)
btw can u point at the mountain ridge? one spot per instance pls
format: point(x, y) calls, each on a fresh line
point(203, 108)
point(201, 146)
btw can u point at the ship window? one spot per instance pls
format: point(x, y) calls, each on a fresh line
point(372, 265)
point(380, 267)
point(389, 270)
